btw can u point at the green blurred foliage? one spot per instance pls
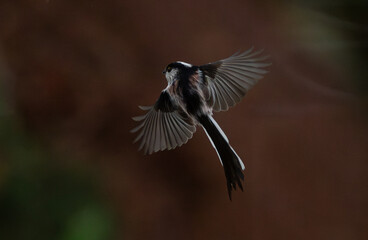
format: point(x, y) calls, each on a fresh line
point(43, 199)
point(341, 28)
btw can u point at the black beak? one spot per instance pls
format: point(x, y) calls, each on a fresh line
point(163, 72)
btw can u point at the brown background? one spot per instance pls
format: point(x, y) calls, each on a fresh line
point(74, 72)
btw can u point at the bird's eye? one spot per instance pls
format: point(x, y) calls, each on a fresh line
point(168, 69)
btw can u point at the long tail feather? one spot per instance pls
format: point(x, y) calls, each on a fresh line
point(233, 166)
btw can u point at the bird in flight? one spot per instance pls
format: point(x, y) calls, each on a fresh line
point(192, 95)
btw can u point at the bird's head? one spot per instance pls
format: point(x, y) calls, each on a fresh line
point(173, 70)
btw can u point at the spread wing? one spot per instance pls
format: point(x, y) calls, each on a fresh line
point(228, 80)
point(164, 126)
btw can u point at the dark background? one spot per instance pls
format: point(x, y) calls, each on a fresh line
point(73, 73)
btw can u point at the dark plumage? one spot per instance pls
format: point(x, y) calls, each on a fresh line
point(192, 94)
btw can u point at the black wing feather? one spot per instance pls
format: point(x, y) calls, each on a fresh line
point(164, 126)
point(228, 80)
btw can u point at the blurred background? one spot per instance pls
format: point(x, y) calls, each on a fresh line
point(72, 74)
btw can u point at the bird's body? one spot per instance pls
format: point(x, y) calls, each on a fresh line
point(188, 92)
point(192, 94)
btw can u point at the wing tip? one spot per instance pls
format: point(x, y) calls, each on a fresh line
point(138, 118)
point(145, 108)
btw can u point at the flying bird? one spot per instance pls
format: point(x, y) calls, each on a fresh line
point(192, 95)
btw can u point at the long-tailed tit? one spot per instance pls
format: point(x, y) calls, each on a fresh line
point(191, 96)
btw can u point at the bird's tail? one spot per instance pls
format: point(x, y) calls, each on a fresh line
point(231, 162)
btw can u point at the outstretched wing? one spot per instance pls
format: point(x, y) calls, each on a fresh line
point(228, 80)
point(164, 126)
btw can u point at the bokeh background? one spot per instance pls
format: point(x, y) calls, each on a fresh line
point(72, 74)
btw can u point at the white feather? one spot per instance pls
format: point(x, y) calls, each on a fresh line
point(219, 129)
point(171, 76)
point(227, 140)
point(185, 64)
point(213, 145)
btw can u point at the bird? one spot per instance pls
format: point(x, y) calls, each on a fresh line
point(192, 95)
